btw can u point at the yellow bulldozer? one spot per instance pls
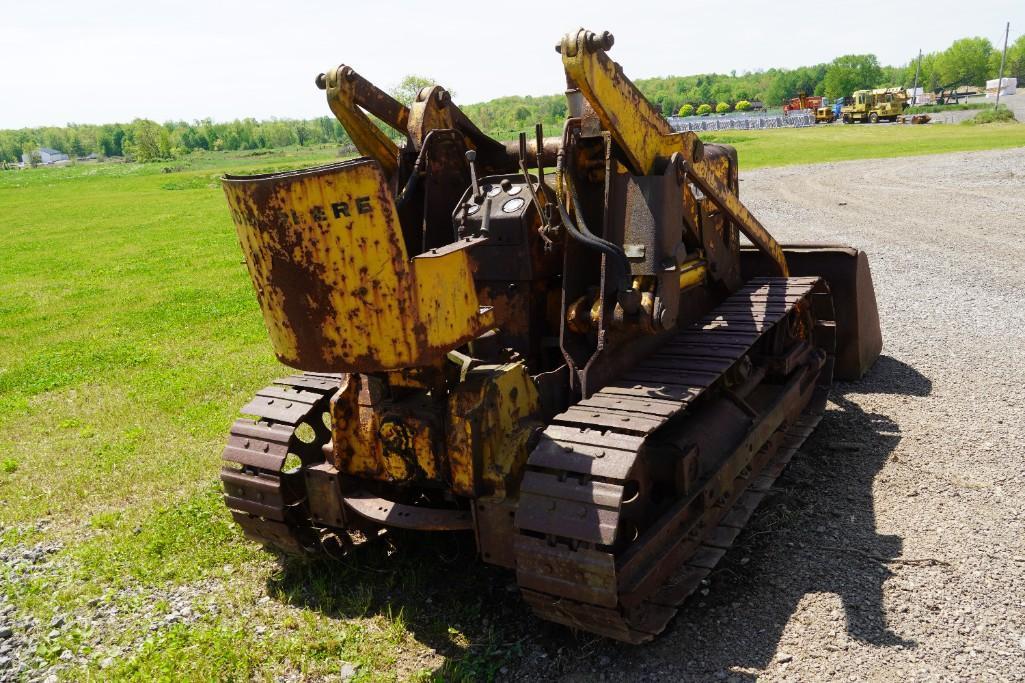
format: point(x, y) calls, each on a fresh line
point(595, 373)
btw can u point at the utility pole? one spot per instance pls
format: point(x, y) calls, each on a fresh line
point(914, 90)
point(1003, 57)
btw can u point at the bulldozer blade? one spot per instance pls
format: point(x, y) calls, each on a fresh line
point(858, 337)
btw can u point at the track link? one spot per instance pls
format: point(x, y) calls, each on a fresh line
point(266, 496)
point(572, 565)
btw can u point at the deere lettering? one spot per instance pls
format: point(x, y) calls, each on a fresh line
point(318, 213)
point(340, 209)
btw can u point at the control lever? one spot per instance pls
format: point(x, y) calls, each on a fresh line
point(471, 156)
point(545, 217)
point(539, 146)
point(485, 226)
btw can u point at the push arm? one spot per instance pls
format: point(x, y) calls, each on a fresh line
point(350, 95)
point(643, 133)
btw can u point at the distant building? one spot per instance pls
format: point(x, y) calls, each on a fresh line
point(46, 156)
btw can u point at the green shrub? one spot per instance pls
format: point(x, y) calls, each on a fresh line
point(999, 114)
point(722, 108)
point(742, 105)
point(687, 110)
point(930, 108)
point(704, 109)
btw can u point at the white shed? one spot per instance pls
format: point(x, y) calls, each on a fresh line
point(1007, 86)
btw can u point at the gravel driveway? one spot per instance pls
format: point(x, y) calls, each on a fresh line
point(894, 548)
point(1016, 103)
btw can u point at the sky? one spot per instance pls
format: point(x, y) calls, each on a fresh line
point(105, 61)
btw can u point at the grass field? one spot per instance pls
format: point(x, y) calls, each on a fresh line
point(129, 337)
point(788, 146)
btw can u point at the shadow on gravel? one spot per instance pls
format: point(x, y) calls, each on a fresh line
point(816, 535)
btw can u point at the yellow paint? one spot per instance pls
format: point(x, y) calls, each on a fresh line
point(429, 113)
point(368, 138)
point(641, 130)
point(692, 275)
point(338, 292)
point(491, 417)
point(385, 441)
point(645, 136)
point(474, 440)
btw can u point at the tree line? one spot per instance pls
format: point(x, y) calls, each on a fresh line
point(968, 61)
point(145, 140)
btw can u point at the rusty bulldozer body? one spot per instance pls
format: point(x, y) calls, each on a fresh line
point(586, 369)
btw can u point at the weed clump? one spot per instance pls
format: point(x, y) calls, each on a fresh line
point(999, 114)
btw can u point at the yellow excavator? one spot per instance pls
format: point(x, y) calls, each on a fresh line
point(597, 372)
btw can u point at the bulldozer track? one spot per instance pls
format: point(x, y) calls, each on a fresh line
point(578, 478)
point(578, 482)
point(265, 498)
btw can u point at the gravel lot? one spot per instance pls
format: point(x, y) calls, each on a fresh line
point(894, 548)
point(1016, 103)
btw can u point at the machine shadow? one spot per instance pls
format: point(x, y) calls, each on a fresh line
point(814, 534)
point(431, 585)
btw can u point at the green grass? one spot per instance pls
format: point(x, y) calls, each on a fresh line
point(940, 108)
point(788, 146)
point(126, 322)
point(129, 337)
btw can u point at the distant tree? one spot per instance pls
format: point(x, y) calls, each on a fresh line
point(929, 75)
point(687, 110)
point(410, 86)
point(895, 77)
point(1015, 66)
point(704, 109)
point(966, 61)
point(851, 72)
point(665, 105)
point(786, 84)
point(146, 142)
point(722, 108)
point(742, 105)
point(31, 149)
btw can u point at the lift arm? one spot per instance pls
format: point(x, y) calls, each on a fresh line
point(350, 95)
point(645, 136)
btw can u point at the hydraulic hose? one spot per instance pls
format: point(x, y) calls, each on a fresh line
point(411, 183)
point(580, 233)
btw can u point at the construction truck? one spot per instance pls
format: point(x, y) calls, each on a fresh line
point(873, 106)
point(584, 372)
point(802, 102)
